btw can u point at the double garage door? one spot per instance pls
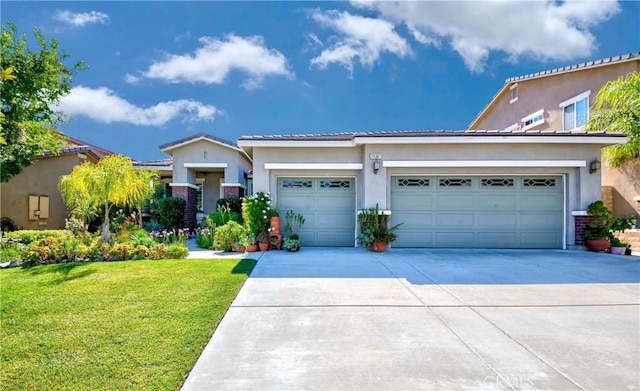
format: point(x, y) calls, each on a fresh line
point(478, 211)
point(328, 206)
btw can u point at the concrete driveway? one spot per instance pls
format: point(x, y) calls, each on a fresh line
point(349, 319)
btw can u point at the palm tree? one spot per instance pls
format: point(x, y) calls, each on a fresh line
point(617, 108)
point(112, 181)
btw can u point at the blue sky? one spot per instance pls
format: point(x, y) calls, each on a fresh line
point(161, 71)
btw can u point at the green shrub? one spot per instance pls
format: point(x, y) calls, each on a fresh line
point(204, 237)
point(159, 251)
point(221, 217)
point(141, 252)
point(170, 213)
point(177, 251)
point(29, 236)
point(140, 237)
point(257, 213)
point(8, 253)
point(228, 236)
point(121, 251)
point(234, 204)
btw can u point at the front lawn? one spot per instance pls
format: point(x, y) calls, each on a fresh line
point(111, 325)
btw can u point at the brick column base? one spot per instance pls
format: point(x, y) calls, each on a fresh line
point(233, 192)
point(188, 194)
point(581, 223)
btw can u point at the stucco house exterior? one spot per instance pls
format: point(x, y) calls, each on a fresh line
point(32, 200)
point(202, 169)
point(486, 189)
point(561, 99)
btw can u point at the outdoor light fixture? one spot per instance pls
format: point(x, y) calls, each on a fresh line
point(594, 166)
point(376, 167)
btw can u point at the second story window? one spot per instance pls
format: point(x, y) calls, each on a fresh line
point(575, 111)
point(514, 93)
point(533, 120)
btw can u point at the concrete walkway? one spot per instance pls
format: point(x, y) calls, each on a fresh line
point(196, 252)
point(348, 319)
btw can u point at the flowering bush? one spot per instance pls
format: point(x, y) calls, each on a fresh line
point(204, 237)
point(171, 236)
point(257, 212)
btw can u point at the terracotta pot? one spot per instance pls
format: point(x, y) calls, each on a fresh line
point(275, 224)
point(252, 248)
point(597, 245)
point(378, 246)
point(239, 249)
point(263, 246)
point(275, 239)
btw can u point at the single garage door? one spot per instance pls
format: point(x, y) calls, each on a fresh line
point(328, 206)
point(478, 211)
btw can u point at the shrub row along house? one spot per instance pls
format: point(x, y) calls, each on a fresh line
point(523, 184)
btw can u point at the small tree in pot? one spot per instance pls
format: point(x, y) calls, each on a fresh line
point(375, 232)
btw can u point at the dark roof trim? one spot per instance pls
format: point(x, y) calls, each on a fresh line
point(70, 151)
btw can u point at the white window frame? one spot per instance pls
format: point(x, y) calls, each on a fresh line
point(511, 91)
point(539, 113)
point(573, 101)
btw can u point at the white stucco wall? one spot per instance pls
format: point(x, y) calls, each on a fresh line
point(204, 151)
point(582, 187)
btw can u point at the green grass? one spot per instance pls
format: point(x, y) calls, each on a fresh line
point(136, 325)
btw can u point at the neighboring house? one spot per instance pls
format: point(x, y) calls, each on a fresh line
point(32, 200)
point(203, 169)
point(482, 189)
point(561, 99)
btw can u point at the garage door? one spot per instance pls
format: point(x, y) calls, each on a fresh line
point(328, 205)
point(481, 212)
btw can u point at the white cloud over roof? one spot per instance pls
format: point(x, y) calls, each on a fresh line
point(358, 38)
point(217, 58)
point(103, 105)
point(79, 19)
point(543, 30)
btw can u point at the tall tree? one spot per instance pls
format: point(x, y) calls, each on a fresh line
point(28, 97)
point(617, 108)
point(113, 181)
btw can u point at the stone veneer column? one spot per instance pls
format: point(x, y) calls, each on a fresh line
point(581, 223)
point(233, 192)
point(188, 194)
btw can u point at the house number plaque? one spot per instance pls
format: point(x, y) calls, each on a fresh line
point(375, 156)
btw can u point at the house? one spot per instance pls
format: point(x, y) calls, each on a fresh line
point(510, 188)
point(561, 99)
point(31, 199)
point(202, 169)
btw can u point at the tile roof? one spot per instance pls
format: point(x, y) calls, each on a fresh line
point(96, 152)
point(310, 136)
point(158, 163)
point(423, 133)
point(197, 136)
point(577, 67)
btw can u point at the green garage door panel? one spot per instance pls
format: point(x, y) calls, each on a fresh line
point(483, 212)
point(328, 206)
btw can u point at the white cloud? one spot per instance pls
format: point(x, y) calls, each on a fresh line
point(103, 105)
point(544, 30)
point(217, 58)
point(81, 19)
point(361, 38)
point(131, 79)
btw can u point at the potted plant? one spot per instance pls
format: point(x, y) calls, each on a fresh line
point(597, 235)
point(375, 232)
point(292, 243)
point(250, 243)
point(230, 236)
point(294, 222)
point(618, 226)
point(263, 241)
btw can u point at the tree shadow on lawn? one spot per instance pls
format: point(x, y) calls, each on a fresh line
point(244, 266)
point(63, 270)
